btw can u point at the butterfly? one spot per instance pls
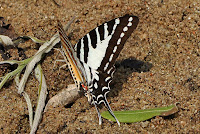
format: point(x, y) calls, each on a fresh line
point(91, 61)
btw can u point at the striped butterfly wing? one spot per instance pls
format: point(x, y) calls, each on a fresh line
point(69, 55)
point(97, 52)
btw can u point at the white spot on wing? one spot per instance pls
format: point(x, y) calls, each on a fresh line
point(115, 49)
point(119, 41)
point(93, 96)
point(125, 29)
point(95, 102)
point(117, 21)
point(95, 85)
point(130, 19)
point(105, 30)
point(97, 33)
point(104, 88)
point(91, 90)
point(121, 35)
point(112, 73)
point(108, 72)
point(129, 24)
point(101, 101)
point(82, 51)
point(111, 56)
point(95, 75)
point(107, 79)
point(106, 66)
point(99, 96)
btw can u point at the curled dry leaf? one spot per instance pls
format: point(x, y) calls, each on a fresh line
point(7, 29)
point(5, 40)
point(7, 34)
point(66, 96)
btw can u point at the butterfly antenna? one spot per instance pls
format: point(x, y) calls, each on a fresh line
point(110, 111)
point(66, 27)
point(99, 115)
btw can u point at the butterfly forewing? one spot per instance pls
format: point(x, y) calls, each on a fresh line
point(101, 46)
point(70, 57)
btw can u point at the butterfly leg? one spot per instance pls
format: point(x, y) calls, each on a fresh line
point(99, 115)
point(57, 56)
point(111, 112)
point(64, 60)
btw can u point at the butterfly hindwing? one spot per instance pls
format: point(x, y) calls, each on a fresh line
point(101, 87)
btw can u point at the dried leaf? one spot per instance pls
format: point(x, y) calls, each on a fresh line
point(66, 96)
point(6, 41)
point(7, 29)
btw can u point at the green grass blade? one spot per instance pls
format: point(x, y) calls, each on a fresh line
point(21, 65)
point(140, 115)
point(9, 75)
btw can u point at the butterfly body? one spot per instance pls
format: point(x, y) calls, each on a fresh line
point(91, 62)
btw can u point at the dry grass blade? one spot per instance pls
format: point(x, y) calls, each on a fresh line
point(41, 99)
point(30, 109)
point(45, 48)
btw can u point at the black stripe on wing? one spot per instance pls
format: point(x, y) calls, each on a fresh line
point(101, 32)
point(78, 49)
point(93, 36)
point(86, 48)
point(110, 26)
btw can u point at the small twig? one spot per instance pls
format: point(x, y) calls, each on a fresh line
point(56, 3)
point(66, 27)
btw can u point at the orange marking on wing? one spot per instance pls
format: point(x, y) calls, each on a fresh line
point(72, 62)
point(71, 59)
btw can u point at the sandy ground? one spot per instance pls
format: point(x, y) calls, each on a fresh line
point(164, 70)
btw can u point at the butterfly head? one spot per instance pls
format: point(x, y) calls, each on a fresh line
point(84, 87)
point(87, 93)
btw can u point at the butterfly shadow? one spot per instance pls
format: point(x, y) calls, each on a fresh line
point(124, 69)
